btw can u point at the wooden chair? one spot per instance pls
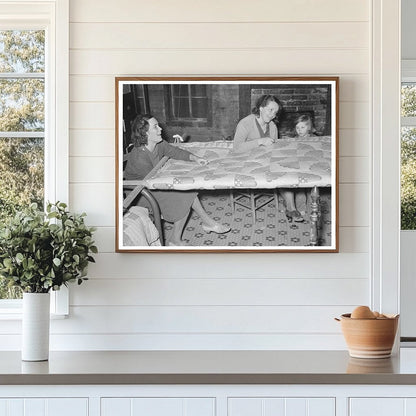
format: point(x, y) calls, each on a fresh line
point(132, 189)
point(248, 199)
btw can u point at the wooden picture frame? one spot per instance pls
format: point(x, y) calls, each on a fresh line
point(258, 155)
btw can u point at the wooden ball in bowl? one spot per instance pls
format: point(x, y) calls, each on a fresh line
point(362, 312)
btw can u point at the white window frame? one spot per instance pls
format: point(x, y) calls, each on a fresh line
point(53, 17)
point(408, 239)
point(385, 150)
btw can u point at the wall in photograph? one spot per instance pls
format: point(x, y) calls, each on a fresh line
point(214, 301)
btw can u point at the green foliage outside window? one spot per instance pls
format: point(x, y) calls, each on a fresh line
point(408, 159)
point(408, 179)
point(21, 110)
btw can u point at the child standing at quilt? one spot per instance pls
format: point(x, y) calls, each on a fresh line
point(304, 128)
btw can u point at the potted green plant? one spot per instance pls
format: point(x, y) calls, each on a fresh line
point(39, 252)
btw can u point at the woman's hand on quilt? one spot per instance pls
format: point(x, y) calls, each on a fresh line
point(265, 141)
point(200, 160)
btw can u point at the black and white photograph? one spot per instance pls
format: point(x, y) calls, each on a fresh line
point(232, 164)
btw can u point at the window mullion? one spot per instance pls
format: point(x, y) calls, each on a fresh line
point(22, 134)
point(191, 113)
point(22, 75)
point(408, 121)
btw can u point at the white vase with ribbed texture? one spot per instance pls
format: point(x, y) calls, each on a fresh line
point(35, 326)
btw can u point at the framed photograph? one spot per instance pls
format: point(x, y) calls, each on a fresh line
point(235, 164)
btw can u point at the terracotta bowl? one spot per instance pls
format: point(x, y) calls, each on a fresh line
point(369, 338)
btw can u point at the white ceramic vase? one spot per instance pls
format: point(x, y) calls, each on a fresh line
point(35, 326)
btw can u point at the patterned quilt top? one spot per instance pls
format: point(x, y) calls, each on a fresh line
point(289, 163)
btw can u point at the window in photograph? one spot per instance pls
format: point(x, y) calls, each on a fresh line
point(188, 104)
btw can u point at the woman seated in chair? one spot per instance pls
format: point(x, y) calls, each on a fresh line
point(149, 148)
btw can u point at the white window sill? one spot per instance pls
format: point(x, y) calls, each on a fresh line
point(11, 309)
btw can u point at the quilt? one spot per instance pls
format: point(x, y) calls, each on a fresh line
point(288, 163)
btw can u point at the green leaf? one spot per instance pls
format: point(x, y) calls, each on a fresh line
point(7, 262)
point(36, 255)
point(69, 223)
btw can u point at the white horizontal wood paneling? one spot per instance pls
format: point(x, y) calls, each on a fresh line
point(190, 341)
point(96, 199)
point(218, 35)
point(219, 62)
point(98, 88)
point(354, 170)
point(90, 169)
point(262, 301)
point(94, 143)
point(99, 115)
point(200, 320)
point(354, 142)
point(249, 265)
point(105, 239)
point(213, 291)
point(93, 88)
point(353, 115)
point(218, 11)
point(354, 202)
point(354, 239)
point(179, 341)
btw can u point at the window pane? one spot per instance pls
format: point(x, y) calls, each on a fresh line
point(22, 51)
point(21, 182)
point(408, 99)
point(198, 90)
point(9, 292)
point(408, 178)
point(21, 109)
point(180, 90)
point(181, 107)
point(22, 104)
point(140, 102)
point(21, 173)
point(199, 107)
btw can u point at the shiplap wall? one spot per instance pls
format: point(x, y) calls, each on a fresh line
point(215, 301)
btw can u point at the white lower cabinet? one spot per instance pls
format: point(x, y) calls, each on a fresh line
point(160, 406)
point(44, 407)
point(376, 406)
point(253, 406)
point(208, 400)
